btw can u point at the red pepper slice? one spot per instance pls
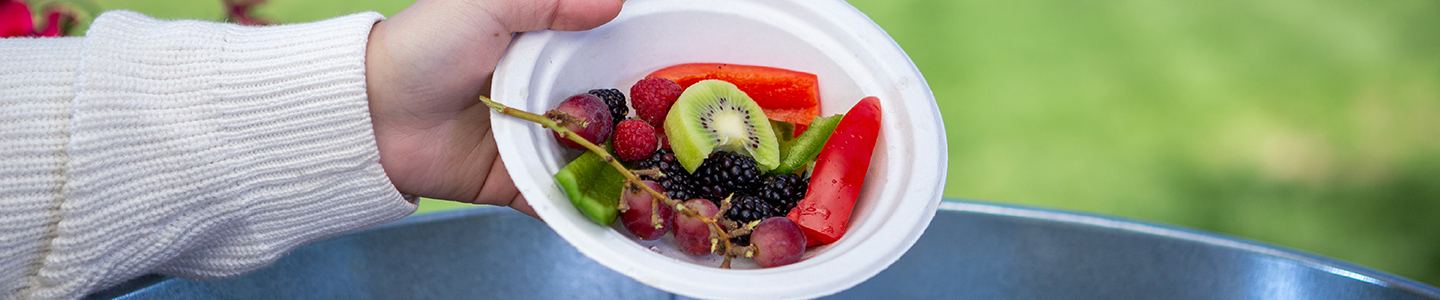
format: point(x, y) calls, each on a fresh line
point(784, 95)
point(824, 213)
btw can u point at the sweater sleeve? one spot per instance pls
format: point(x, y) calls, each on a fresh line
point(200, 150)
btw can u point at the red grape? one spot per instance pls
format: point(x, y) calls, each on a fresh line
point(692, 236)
point(590, 116)
point(637, 219)
point(778, 241)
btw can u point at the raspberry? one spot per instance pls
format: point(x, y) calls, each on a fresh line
point(652, 98)
point(613, 99)
point(634, 140)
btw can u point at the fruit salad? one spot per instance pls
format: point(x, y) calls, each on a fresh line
point(733, 160)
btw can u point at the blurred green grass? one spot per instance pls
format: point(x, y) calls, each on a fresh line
point(1306, 124)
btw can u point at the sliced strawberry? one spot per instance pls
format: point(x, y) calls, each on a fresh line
point(784, 95)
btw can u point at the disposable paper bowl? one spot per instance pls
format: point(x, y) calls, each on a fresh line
point(853, 58)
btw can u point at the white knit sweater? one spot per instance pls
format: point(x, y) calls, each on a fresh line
point(185, 148)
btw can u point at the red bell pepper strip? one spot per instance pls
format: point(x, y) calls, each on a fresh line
point(824, 213)
point(785, 95)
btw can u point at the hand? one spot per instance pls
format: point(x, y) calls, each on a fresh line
point(425, 68)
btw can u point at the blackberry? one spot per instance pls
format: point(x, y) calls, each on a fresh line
point(746, 208)
point(783, 191)
point(677, 182)
point(724, 173)
point(615, 100)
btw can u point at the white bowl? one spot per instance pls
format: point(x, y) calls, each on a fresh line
point(851, 55)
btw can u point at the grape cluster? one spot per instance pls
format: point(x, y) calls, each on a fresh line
point(753, 197)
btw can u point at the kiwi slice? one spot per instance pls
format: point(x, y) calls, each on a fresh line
point(714, 115)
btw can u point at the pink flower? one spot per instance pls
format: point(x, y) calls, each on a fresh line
point(58, 21)
point(15, 19)
point(238, 12)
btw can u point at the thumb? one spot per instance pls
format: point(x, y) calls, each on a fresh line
point(531, 15)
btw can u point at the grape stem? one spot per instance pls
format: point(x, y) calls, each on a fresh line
point(548, 123)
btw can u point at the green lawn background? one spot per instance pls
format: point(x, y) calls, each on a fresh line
point(1308, 124)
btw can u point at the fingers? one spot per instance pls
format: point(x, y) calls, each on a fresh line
point(428, 63)
point(584, 14)
point(498, 187)
point(532, 15)
point(523, 206)
point(499, 180)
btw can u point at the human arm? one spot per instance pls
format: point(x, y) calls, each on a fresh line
point(186, 148)
point(204, 150)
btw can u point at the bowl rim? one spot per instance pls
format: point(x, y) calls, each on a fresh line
point(514, 77)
